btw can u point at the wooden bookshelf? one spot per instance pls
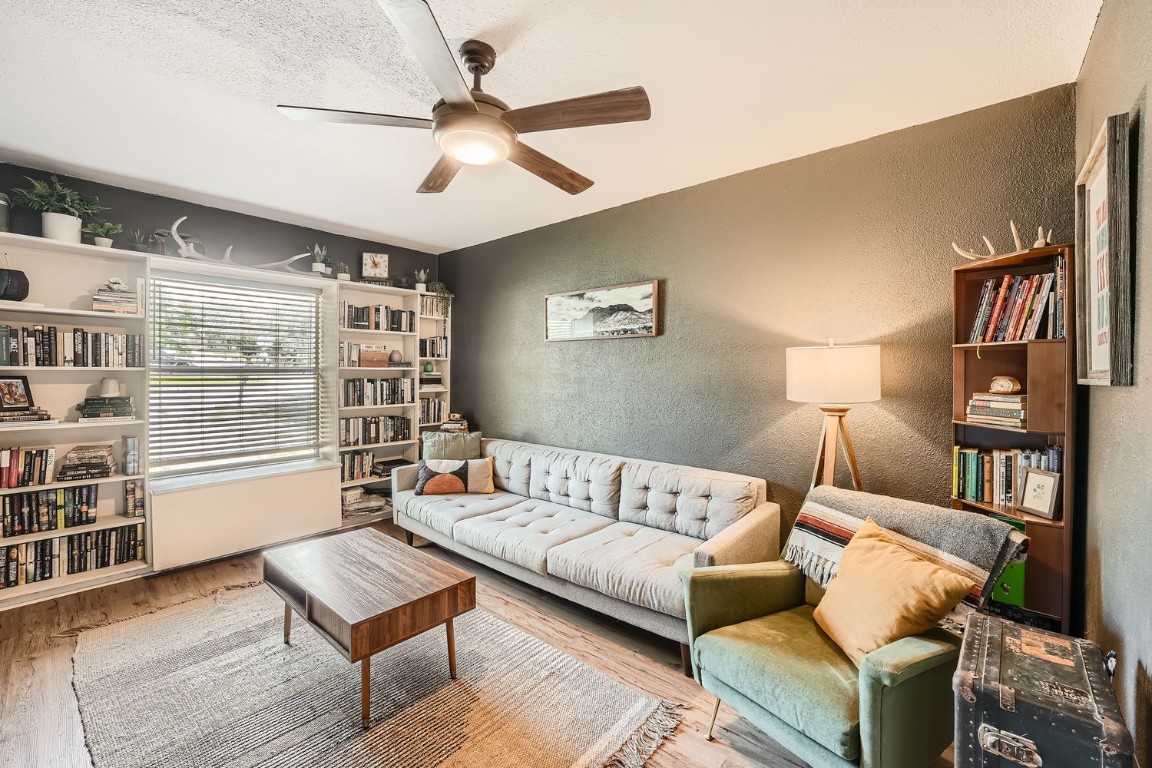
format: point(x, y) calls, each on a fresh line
point(1046, 369)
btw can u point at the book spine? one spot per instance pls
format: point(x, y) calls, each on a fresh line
point(997, 308)
point(1005, 413)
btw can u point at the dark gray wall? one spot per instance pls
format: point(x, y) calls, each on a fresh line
point(1115, 78)
point(256, 239)
point(852, 243)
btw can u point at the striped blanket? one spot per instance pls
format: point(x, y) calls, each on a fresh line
point(971, 544)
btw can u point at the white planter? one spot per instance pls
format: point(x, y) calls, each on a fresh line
point(345, 276)
point(318, 266)
point(327, 270)
point(103, 242)
point(422, 287)
point(60, 226)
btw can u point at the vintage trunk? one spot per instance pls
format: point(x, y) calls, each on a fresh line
point(1026, 697)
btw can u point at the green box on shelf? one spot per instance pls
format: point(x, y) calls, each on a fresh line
point(1009, 588)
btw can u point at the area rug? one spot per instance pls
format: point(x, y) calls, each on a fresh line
point(210, 683)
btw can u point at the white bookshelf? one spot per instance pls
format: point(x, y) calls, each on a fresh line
point(435, 323)
point(62, 278)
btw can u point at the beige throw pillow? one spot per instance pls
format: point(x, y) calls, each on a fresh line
point(883, 592)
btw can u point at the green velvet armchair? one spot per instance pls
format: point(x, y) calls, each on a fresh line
point(756, 646)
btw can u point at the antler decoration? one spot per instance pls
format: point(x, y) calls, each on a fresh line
point(186, 251)
point(1041, 241)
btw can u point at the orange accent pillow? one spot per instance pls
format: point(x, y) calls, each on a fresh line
point(443, 476)
point(884, 592)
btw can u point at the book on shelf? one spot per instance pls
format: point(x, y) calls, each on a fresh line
point(36, 414)
point(88, 462)
point(998, 409)
point(1014, 307)
point(358, 393)
point(48, 510)
point(376, 317)
point(104, 419)
point(371, 430)
point(27, 466)
point(399, 363)
point(47, 346)
point(994, 476)
point(36, 561)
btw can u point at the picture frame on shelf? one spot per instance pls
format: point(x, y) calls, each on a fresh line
point(15, 394)
point(1039, 491)
point(374, 266)
point(624, 311)
point(1104, 302)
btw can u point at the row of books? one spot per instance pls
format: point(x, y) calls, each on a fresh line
point(54, 510)
point(370, 430)
point(454, 423)
point(432, 410)
point(353, 355)
point(21, 467)
point(434, 306)
point(133, 498)
point(31, 413)
point(361, 392)
point(48, 346)
point(434, 346)
point(356, 465)
point(117, 299)
point(36, 561)
point(376, 317)
point(1014, 307)
point(107, 409)
point(993, 476)
point(998, 409)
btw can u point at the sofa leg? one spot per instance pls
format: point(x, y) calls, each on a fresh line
point(408, 537)
point(712, 722)
point(686, 659)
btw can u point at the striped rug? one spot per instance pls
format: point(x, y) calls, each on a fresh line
point(210, 683)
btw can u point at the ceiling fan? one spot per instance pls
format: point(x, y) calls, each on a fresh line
point(470, 126)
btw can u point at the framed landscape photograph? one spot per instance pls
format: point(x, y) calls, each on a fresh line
point(1038, 492)
point(1104, 305)
point(15, 394)
point(613, 312)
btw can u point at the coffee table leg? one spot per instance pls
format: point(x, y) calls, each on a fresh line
point(366, 689)
point(451, 648)
point(287, 623)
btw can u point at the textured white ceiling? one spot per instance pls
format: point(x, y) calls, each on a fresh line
point(177, 97)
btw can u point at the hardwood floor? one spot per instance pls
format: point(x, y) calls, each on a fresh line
point(40, 724)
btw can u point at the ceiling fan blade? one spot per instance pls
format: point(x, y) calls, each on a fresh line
point(318, 115)
point(441, 175)
point(548, 169)
point(414, 21)
point(622, 106)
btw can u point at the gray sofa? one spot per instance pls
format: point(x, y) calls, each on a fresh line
point(607, 532)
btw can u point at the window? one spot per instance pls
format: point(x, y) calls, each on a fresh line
point(235, 374)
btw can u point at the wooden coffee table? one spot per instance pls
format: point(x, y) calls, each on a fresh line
point(364, 591)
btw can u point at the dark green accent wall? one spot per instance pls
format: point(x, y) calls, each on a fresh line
point(1115, 78)
point(851, 243)
point(256, 240)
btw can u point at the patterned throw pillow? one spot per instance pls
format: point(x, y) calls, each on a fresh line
point(442, 476)
point(451, 445)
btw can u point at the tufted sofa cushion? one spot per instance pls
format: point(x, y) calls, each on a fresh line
point(630, 562)
point(440, 513)
point(523, 534)
point(585, 481)
point(684, 500)
point(511, 464)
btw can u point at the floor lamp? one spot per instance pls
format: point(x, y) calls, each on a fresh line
point(833, 378)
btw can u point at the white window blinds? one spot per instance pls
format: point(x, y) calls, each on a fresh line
point(235, 374)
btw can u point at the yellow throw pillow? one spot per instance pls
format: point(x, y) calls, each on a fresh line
point(883, 592)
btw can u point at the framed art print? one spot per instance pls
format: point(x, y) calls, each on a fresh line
point(1038, 492)
point(15, 395)
point(613, 312)
point(1104, 305)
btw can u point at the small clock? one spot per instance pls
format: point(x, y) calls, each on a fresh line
point(374, 266)
point(1005, 385)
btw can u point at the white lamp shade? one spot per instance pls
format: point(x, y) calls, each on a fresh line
point(833, 375)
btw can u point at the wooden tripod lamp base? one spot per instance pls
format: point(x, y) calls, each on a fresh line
point(834, 436)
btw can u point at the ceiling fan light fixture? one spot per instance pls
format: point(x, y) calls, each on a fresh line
point(474, 138)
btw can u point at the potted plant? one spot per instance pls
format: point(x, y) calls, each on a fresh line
point(319, 258)
point(102, 232)
point(61, 208)
point(344, 273)
point(140, 241)
point(443, 297)
point(422, 279)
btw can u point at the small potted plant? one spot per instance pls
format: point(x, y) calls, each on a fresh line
point(140, 241)
point(61, 209)
point(344, 273)
point(102, 232)
point(422, 279)
point(319, 258)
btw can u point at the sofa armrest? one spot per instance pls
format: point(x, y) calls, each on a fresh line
point(896, 662)
point(404, 478)
point(754, 538)
point(729, 594)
